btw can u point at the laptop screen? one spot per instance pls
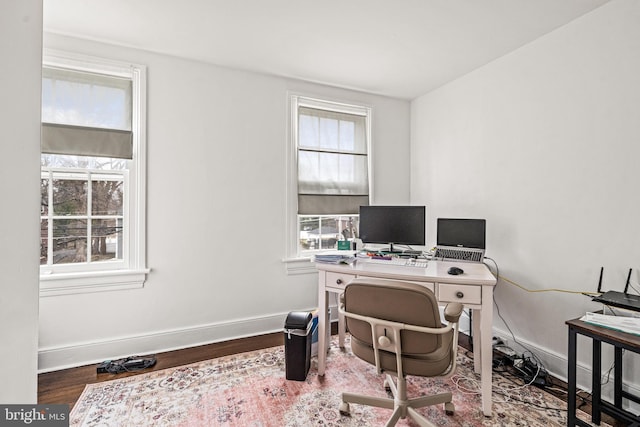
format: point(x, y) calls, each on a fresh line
point(459, 232)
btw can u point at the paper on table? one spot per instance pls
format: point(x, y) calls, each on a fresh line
point(630, 325)
point(338, 257)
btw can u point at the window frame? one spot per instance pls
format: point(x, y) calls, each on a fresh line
point(298, 262)
point(132, 272)
point(88, 176)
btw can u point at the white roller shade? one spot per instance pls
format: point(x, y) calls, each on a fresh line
point(332, 162)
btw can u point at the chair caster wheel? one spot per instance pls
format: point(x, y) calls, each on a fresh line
point(449, 408)
point(344, 409)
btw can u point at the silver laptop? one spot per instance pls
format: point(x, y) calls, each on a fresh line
point(461, 239)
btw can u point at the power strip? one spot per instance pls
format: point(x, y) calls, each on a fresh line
point(530, 372)
point(508, 354)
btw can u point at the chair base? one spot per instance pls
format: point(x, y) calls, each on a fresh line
point(402, 407)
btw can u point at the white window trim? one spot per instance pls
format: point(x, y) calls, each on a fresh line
point(295, 262)
point(134, 275)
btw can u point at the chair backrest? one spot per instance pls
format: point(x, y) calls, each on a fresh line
point(405, 303)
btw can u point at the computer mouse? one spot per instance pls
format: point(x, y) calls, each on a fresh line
point(455, 271)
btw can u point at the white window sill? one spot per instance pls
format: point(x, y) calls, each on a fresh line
point(88, 282)
point(301, 265)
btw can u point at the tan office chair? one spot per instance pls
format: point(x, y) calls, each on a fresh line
point(396, 326)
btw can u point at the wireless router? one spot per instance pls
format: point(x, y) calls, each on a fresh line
point(618, 299)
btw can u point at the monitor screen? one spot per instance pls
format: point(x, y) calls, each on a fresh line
point(402, 225)
point(466, 233)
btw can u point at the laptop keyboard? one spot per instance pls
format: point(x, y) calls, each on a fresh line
point(461, 254)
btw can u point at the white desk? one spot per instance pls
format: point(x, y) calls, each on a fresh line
point(473, 288)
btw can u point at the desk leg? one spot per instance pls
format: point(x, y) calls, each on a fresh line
point(323, 321)
point(595, 381)
point(476, 339)
point(617, 377)
point(342, 329)
point(571, 379)
point(486, 346)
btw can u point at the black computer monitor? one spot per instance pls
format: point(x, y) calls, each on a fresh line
point(401, 225)
point(461, 232)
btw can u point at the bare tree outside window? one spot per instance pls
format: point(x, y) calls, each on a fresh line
point(81, 210)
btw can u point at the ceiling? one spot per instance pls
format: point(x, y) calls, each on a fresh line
point(401, 48)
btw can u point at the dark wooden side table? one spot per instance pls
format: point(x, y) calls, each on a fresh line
point(620, 341)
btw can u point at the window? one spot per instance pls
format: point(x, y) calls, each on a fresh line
point(330, 169)
point(92, 228)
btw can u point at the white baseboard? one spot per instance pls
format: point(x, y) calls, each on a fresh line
point(86, 353)
point(79, 354)
point(556, 365)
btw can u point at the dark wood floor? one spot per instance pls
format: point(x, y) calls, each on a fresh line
point(66, 386)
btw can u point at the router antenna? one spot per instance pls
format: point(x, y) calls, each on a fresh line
point(626, 287)
point(600, 281)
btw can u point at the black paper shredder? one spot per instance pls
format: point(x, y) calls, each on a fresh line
point(297, 345)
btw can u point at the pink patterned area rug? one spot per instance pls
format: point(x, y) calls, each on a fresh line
point(250, 390)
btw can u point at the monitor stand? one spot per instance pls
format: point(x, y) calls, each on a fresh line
point(392, 251)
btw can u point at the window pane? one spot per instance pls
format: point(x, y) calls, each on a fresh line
point(107, 197)
point(330, 130)
point(347, 135)
point(308, 132)
point(328, 234)
point(44, 197)
point(323, 232)
point(69, 241)
point(69, 197)
point(329, 134)
point(307, 224)
point(331, 173)
point(44, 241)
point(82, 162)
point(106, 239)
point(86, 99)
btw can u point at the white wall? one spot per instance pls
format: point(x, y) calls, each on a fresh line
point(217, 142)
point(544, 144)
point(20, 50)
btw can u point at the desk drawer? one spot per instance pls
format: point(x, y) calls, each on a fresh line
point(464, 294)
point(338, 280)
point(428, 285)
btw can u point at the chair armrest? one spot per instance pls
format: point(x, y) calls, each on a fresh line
point(452, 312)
